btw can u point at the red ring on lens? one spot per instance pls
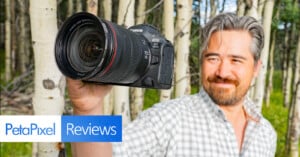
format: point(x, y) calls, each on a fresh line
point(115, 47)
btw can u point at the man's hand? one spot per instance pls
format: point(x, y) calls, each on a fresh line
point(87, 98)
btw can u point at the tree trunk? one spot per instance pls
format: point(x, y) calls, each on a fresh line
point(205, 11)
point(78, 6)
point(137, 94)
point(22, 38)
point(70, 8)
point(183, 29)
point(260, 8)
point(294, 124)
point(13, 39)
point(252, 8)
point(200, 48)
point(223, 6)
point(293, 131)
point(287, 95)
point(261, 78)
point(287, 66)
point(168, 30)
point(285, 61)
point(7, 41)
point(290, 63)
point(126, 13)
point(107, 7)
point(136, 101)
point(108, 103)
point(297, 64)
point(121, 93)
point(213, 9)
point(271, 69)
point(49, 83)
point(241, 6)
point(141, 12)
point(92, 6)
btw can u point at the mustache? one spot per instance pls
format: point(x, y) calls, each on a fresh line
point(218, 79)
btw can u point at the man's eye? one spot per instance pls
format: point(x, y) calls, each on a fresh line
point(236, 60)
point(213, 59)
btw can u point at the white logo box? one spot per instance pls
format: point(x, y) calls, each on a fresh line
point(30, 128)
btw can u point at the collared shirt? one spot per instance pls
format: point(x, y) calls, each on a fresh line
point(194, 126)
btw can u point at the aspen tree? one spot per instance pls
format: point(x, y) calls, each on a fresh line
point(49, 83)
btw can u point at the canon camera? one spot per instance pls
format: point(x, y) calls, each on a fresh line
point(95, 50)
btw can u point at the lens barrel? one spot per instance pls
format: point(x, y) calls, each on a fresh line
point(92, 49)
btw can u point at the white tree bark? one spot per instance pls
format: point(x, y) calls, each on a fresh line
point(137, 94)
point(121, 93)
point(78, 6)
point(241, 7)
point(49, 83)
point(137, 102)
point(260, 8)
point(22, 38)
point(107, 7)
point(294, 131)
point(297, 65)
point(213, 9)
point(287, 92)
point(92, 6)
point(295, 127)
point(108, 103)
point(271, 69)
point(183, 30)
point(70, 8)
point(168, 30)
point(7, 41)
point(252, 11)
point(141, 12)
point(126, 13)
point(261, 78)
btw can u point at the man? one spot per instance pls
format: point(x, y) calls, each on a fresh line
point(218, 121)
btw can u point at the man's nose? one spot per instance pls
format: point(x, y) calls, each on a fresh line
point(224, 69)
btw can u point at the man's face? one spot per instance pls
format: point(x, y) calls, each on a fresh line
point(228, 67)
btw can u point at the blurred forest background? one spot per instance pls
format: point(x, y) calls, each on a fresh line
point(32, 84)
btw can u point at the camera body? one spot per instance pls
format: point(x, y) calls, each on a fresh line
point(161, 52)
point(98, 51)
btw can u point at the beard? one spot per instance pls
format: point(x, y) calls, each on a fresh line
point(225, 96)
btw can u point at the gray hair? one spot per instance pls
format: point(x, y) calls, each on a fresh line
point(230, 21)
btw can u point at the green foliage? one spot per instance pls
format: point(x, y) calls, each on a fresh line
point(15, 149)
point(151, 97)
point(289, 11)
point(277, 114)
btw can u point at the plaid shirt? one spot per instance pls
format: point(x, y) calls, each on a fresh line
point(194, 126)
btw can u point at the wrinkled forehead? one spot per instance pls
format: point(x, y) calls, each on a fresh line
point(233, 42)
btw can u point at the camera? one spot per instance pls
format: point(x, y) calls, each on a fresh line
point(95, 50)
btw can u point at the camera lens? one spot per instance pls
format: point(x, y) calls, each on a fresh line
point(95, 50)
point(86, 49)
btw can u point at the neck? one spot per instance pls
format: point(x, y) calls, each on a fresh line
point(234, 113)
point(237, 117)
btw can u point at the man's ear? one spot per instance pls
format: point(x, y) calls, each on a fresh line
point(257, 67)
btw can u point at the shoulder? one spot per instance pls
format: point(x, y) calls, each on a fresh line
point(174, 106)
point(170, 111)
point(267, 128)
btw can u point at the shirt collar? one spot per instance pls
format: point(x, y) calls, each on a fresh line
point(249, 106)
